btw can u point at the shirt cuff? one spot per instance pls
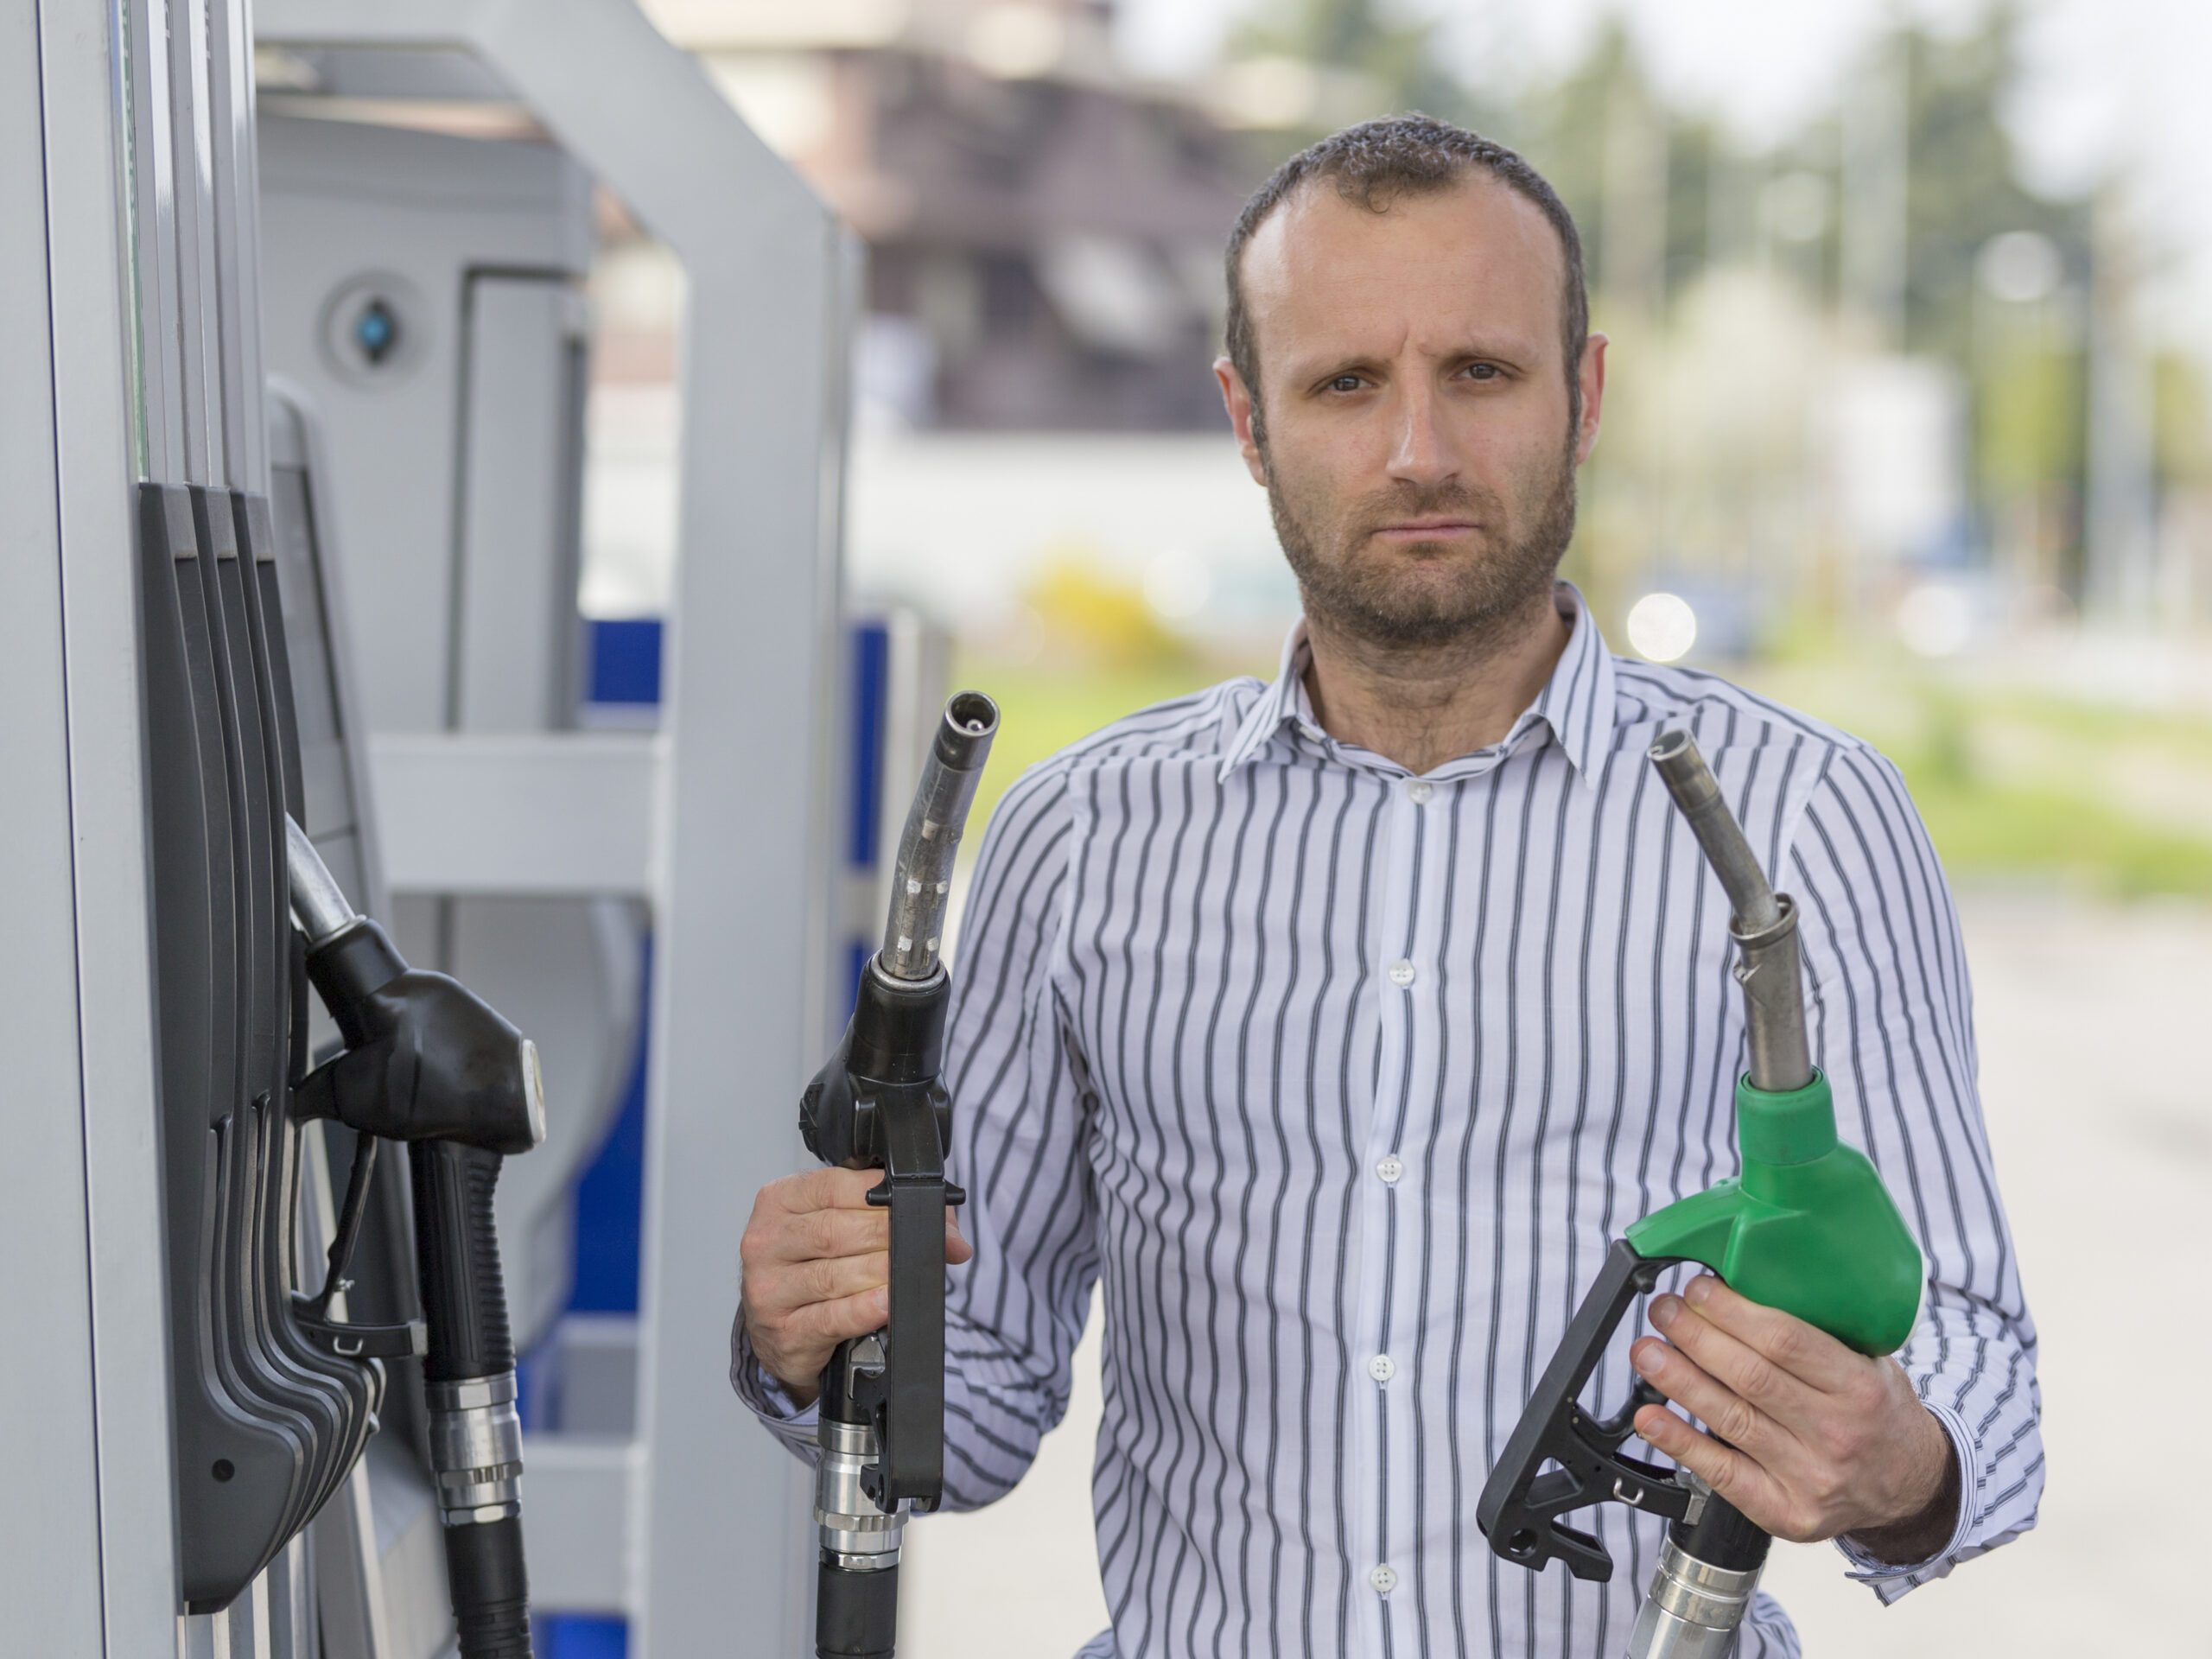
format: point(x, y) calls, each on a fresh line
point(1872, 1569)
point(763, 1395)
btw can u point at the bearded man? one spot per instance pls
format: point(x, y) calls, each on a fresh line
point(1334, 1025)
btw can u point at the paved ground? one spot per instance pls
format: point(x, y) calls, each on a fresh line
point(2092, 1022)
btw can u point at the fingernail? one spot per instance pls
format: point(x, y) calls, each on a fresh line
point(1663, 1309)
point(883, 1301)
point(1700, 1291)
point(1648, 1360)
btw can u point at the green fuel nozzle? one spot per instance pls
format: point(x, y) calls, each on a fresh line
point(1807, 1227)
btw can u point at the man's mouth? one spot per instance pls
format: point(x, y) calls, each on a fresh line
point(1427, 530)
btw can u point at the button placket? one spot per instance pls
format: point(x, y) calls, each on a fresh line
point(1414, 838)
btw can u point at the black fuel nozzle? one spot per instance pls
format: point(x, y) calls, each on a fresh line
point(429, 1063)
point(881, 1104)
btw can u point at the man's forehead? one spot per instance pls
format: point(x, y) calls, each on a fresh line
point(1483, 247)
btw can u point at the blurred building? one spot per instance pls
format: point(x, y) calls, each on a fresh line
point(1045, 230)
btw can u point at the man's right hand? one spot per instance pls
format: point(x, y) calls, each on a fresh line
point(815, 1260)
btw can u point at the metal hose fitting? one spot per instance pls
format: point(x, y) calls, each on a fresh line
point(1692, 1609)
point(476, 1449)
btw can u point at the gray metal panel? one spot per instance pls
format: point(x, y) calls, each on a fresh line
point(154, 192)
point(199, 342)
point(473, 570)
point(313, 591)
point(726, 1546)
point(576, 1482)
point(347, 211)
point(105, 815)
point(237, 242)
point(515, 659)
point(46, 1543)
point(543, 812)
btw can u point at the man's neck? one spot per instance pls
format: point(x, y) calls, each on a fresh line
point(1421, 707)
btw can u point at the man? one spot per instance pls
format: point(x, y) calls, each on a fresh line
point(1335, 1025)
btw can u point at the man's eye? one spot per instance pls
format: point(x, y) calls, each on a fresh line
point(1482, 370)
point(1346, 383)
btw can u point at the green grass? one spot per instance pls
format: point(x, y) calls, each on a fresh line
point(2014, 785)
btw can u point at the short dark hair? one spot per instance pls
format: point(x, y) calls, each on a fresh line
point(1373, 164)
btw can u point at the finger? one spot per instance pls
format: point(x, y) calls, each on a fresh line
point(1727, 1414)
point(833, 1322)
point(826, 1189)
point(1733, 1474)
point(1808, 1354)
point(782, 1291)
point(818, 1233)
point(956, 1247)
point(1736, 1365)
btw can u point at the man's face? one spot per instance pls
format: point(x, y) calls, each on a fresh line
point(1415, 432)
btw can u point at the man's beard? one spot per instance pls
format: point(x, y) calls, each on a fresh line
point(1363, 593)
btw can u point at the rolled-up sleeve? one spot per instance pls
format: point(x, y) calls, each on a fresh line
point(1021, 1096)
point(1893, 1025)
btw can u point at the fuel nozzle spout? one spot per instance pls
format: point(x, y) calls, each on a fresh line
point(921, 884)
point(1763, 922)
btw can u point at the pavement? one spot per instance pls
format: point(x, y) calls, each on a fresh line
point(2088, 1016)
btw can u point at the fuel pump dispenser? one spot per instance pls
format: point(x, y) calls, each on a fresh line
point(429, 1063)
point(1807, 1228)
point(880, 1104)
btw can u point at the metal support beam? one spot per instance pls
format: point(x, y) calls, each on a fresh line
point(566, 812)
point(583, 1523)
point(90, 1560)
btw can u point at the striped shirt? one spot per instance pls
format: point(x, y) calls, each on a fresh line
point(1339, 1080)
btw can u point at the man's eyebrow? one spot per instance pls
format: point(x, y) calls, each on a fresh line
point(1326, 366)
point(1518, 352)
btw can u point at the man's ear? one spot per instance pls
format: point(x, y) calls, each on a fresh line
point(1590, 373)
point(1236, 398)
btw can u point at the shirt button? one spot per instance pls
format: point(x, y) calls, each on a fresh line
point(1401, 972)
point(1384, 1578)
point(1390, 1169)
point(1419, 790)
point(1382, 1368)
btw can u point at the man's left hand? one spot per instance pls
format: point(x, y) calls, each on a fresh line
point(1820, 1440)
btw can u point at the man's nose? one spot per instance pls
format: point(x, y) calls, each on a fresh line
point(1420, 451)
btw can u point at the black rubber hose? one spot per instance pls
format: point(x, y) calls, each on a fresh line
point(465, 1307)
point(491, 1589)
point(856, 1614)
point(457, 1255)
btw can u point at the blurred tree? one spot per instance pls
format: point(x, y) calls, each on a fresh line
point(1963, 178)
point(1364, 64)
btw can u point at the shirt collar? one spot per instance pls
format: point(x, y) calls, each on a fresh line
point(1576, 702)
